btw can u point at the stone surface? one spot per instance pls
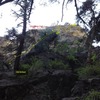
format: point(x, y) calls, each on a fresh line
point(42, 46)
point(60, 84)
point(84, 86)
point(45, 85)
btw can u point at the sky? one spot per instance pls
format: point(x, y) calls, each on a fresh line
point(41, 15)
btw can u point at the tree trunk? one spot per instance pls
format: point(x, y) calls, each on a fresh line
point(18, 55)
point(20, 48)
point(89, 43)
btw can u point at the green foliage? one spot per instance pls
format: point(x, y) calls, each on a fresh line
point(73, 25)
point(71, 49)
point(93, 95)
point(71, 55)
point(64, 48)
point(37, 63)
point(79, 45)
point(57, 29)
point(25, 66)
point(51, 64)
point(89, 71)
point(57, 64)
point(61, 48)
point(94, 57)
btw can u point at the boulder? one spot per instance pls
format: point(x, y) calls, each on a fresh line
point(80, 87)
point(60, 84)
point(53, 85)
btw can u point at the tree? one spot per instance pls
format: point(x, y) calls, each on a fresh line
point(13, 35)
point(88, 11)
point(89, 16)
point(25, 11)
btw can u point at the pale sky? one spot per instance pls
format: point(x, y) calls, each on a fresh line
point(48, 15)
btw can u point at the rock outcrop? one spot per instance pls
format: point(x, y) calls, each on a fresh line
point(42, 46)
point(40, 86)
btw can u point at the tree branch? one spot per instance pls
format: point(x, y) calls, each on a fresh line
point(30, 10)
point(79, 14)
point(6, 1)
point(62, 10)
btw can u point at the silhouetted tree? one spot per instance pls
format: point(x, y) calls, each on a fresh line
point(25, 11)
point(88, 14)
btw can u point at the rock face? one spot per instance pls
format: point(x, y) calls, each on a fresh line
point(61, 83)
point(55, 85)
point(84, 86)
point(3, 64)
point(70, 33)
point(43, 45)
point(41, 86)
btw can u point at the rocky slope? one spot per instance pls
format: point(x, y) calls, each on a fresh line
point(53, 73)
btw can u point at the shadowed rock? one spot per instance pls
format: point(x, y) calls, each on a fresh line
point(42, 46)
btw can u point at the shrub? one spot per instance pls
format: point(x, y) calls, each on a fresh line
point(25, 67)
point(49, 64)
point(57, 64)
point(61, 48)
point(89, 71)
point(33, 64)
point(37, 64)
point(94, 57)
point(93, 95)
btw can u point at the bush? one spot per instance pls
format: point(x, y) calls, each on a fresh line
point(48, 64)
point(93, 95)
point(25, 67)
point(61, 48)
point(89, 71)
point(37, 64)
point(57, 64)
point(64, 48)
point(33, 64)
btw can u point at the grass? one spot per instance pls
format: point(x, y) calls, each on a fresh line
point(89, 71)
